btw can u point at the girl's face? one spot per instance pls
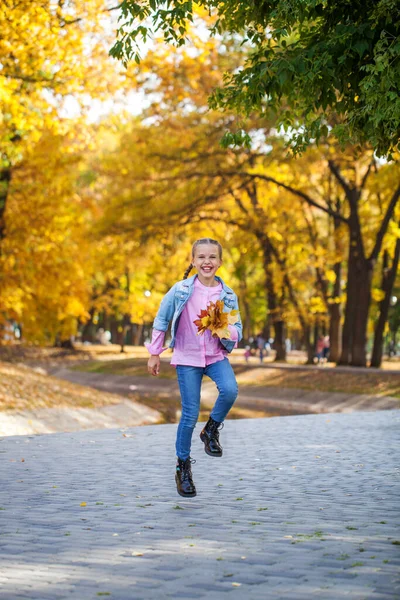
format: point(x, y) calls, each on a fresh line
point(207, 261)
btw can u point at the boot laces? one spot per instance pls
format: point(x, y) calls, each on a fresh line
point(186, 468)
point(215, 427)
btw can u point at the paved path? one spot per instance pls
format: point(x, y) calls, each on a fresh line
point(297, 508)
point(126, 413)
point(282, 400)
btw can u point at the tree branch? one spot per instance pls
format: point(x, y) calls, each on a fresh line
point(301, 195)
point(47, 80)
point(288, 188)
point(244, 226)
point(384, 225)
point(64, 22)
point(366, 174)
point(239, 203)
point(336, 171)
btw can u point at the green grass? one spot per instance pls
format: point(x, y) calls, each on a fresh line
point(383, 383)
point(379, 384)
point(137, 367)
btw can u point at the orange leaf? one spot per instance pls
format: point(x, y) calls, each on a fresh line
point(216, 320)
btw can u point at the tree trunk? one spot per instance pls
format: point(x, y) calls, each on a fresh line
point(334, 332)
point(126, 319)
point(273, 305)
point(279, 340)
point(354, 337)
point(335, 314)
point(137, 334)
point(266, 332)
point(335, 309)
point(126, 323)
point(363, 301)
point(67, 344)
point(114, 330)
point(89, 329)
point(310, 347)
point(5, 179)
point(349, 311)
point(388, 279)
point(246, 312)
point(360, 271)
point(359, 279)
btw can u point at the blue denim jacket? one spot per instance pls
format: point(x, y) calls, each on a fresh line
point(175, 299)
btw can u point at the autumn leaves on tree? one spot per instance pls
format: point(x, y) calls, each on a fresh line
point(97, 213)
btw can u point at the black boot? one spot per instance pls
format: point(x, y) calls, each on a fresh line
point(183, 478)
point(210, 437)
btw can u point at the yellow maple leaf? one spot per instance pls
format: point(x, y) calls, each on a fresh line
point(216, 320)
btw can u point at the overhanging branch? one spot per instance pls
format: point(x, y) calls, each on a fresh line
point(384, 225)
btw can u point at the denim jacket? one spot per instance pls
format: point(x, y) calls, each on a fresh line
point(175, 299)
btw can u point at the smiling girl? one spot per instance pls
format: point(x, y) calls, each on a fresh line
point(197, 355)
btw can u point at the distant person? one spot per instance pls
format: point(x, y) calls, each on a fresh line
point(197, 355)
point(327, 346)
point(100, 335)
point(320, 348)
point(260, 346)
point(247, 353)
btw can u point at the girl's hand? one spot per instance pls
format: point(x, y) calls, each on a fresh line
point(153, 365)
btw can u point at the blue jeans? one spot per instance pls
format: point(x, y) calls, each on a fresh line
point(189, 379)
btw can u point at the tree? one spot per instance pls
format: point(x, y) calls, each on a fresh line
point(191, 181)
point(51, 53)
point(53, 56)
point(389, 272)
point(357, 195)
point(394, 318)
point(46, 257)
point(317, 66)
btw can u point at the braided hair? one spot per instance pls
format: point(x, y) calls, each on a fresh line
point(197, 243)
point(190, 267)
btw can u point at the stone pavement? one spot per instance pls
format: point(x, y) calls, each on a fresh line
point(298, 507)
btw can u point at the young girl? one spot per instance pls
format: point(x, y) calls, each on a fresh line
point(197, 355)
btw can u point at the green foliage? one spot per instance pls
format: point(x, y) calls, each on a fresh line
point(319, 67)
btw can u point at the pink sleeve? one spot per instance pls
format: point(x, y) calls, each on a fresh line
point(234, 334)
point(155, 347)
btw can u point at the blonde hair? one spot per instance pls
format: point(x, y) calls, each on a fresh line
point(197, 243)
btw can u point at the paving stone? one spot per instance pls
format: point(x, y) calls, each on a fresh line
point(296, 508)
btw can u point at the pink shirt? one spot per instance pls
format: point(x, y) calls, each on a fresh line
point(191, 349)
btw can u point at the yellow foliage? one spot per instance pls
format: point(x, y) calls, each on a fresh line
point(46, 255)
point(51, 52)
point(317, 305)
point(330, 275)
point(377, 294)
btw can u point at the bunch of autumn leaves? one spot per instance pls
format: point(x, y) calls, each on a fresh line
point(216, 320)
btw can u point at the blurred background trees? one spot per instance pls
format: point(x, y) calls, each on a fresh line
point(108, 174)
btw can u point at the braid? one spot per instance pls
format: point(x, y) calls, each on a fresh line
point(190, 267)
